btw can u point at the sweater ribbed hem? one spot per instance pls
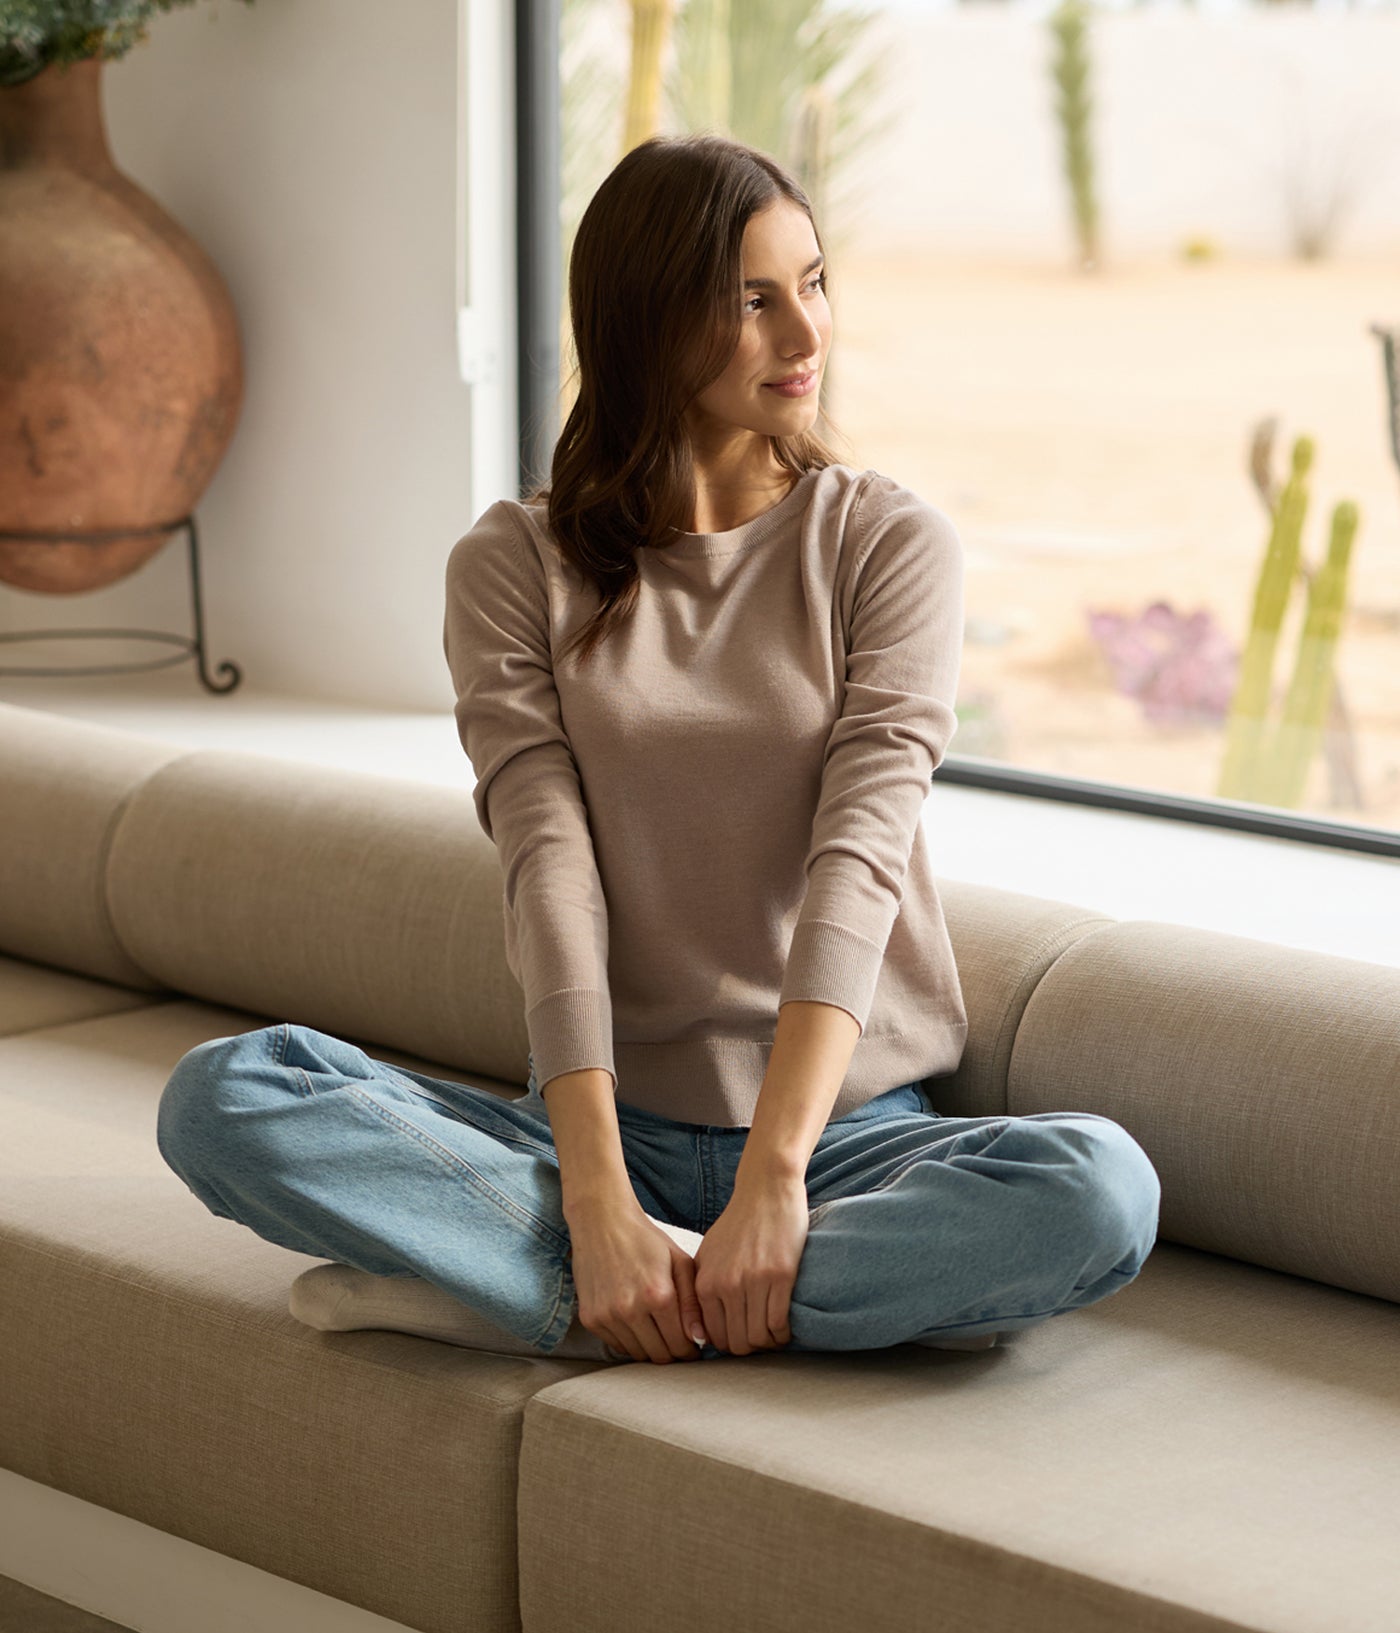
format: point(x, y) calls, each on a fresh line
point(829, 964)
point(571, 1031)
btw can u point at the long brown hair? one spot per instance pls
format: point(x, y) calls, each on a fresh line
point(654, 276)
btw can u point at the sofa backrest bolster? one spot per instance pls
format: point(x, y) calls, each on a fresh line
point(1262, 1080)
point(64, 785)
point(366, 906)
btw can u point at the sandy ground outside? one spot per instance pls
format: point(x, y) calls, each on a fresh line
point(1089, 435)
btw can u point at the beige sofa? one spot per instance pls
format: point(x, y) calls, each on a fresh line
point(1217, 1446)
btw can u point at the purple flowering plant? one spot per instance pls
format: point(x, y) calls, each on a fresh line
point(1181, 667)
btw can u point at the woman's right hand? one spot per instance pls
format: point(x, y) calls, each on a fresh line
point(635, 1285)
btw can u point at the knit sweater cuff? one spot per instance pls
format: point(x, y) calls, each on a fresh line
point(571, 1031)
point(829, 964)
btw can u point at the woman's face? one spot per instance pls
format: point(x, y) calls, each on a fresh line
point(785, 330)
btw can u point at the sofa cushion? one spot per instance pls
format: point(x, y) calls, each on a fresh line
point(64, 786)
point(34, 995)
point(160, 1375)
point(1216, 1446)
point(349, 900)
point(1004, 942)
point(1261, 1080)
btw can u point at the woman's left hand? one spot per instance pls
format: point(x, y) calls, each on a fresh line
point(747, 1263)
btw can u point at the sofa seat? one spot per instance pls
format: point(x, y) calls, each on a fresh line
point(35, 995)
point(162, 1376)
point(1216, 1446)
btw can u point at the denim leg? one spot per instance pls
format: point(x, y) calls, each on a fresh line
point(924, 1226)
point(317, 1147)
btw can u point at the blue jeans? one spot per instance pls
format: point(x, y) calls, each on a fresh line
point(920, 1226)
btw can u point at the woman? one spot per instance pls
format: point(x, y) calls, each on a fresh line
point(704, 679)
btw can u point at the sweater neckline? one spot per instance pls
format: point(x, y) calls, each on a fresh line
point(747, 533)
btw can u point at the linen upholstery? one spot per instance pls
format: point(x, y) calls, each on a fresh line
point(1217, 1446)
point(161, 1375)
point(1005, 943)
point(1262, 1080)
point(349, 902)
point(64, 786)
point(34, 995)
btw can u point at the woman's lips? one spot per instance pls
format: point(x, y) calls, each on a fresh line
point(799, 388)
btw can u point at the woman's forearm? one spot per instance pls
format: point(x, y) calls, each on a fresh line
point(583, 1119)
point(812, 1049)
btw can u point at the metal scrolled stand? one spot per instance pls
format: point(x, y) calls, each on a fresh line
point(191, 647)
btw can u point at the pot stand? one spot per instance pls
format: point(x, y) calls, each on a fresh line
point(191, 647)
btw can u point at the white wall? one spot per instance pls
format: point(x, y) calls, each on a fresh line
point(311, 147)
point(1201, 125)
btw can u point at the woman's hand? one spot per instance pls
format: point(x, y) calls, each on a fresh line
point(747, 1263)
point(636, 1286)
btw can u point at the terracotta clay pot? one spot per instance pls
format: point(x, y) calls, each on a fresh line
point(121, 372)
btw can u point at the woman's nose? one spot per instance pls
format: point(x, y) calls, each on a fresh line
point(803, 336)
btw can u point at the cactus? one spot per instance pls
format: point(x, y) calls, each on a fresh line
point(1242, 770)
point(1310, 693)
point(1270, 766)
point(1070, 68)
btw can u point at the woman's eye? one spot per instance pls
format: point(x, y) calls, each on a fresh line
point(819, 282)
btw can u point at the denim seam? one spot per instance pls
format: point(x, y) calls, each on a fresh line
point(280, 1043)
point(450, 1160)
point(702, 1187)
point(565, 1279)
point(538, 1147)
point(402, 1081)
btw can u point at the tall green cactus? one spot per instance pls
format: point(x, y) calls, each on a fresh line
point(1299, 734)
point(1242, 771)
point(1269, 765)
point(1069, 25)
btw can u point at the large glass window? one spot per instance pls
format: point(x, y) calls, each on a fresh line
point(1118, 288)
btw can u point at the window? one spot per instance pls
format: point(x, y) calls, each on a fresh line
point(1115, 287)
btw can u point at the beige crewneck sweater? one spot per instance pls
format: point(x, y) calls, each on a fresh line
point(720, 812)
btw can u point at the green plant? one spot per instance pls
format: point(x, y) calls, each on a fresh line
point(794, 78)
point(1069, 26)
point(37, 34)
point(1299, 733)
point(1266, 764)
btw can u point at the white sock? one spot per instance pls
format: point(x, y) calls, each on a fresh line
point(340, 1298)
